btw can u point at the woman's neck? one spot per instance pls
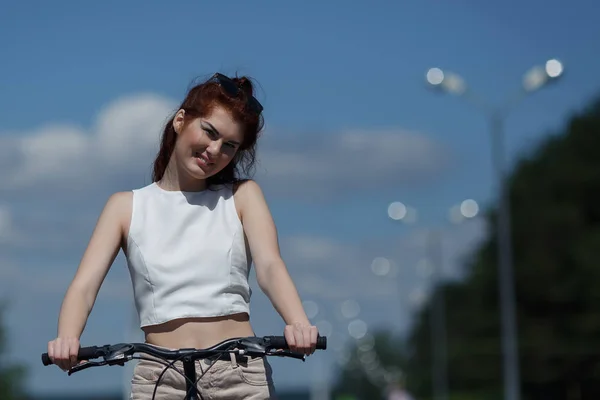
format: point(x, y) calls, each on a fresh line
point(176, 180)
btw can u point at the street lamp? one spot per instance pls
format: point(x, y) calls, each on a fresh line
point(466, 209)
point(536, 78)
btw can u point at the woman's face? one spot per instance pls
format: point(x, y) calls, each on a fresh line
point(206, 145)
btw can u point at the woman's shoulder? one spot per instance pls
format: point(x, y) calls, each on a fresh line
point(120, 197)
point(251, 203)
point(247, 188)
point(248, 195)
point(117, 209)
point(120, 202)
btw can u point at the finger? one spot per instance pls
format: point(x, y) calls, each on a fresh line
point(51, 351)
point(57, 354)
point(300, 341)
point(289, 338)
point(314, 334)
point(305, 343)
point(308, 340)
point(66, 346)
point(64, 355)
point(73, 353)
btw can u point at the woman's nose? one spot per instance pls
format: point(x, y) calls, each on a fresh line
point(214, 148)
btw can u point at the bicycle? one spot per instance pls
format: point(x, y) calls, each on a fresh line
point(119, 354)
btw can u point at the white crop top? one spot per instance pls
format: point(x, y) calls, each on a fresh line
point(187, 254)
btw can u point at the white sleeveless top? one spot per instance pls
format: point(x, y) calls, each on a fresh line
point(187, 254)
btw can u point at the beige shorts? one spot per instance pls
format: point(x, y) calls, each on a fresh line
point(229, 378)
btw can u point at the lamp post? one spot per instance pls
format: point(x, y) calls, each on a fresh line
point(467, 209)
point(533, 80)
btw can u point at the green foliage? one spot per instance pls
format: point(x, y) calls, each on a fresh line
point(382, 356)
point(555, 199)
point(11, 376)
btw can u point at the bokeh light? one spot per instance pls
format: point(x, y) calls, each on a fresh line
point(368, 357)
point(554, 68)
point(435, 76)
point(357, 328)
point(534, 78)
point(381, 266)
point(454, 84)
point(367, 343)
point(396, 210)
point(469, 208)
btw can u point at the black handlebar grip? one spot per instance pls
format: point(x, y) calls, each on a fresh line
point(322, 343)
point(46, 360)
point(280, 342)
point(85, 353)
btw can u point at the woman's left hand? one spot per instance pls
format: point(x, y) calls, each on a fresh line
point(301, 338)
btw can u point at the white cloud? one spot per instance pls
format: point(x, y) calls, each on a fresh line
point(123, 140)
point(317, 165)
point(125, 134)
point(49, 152)
point(130, 126)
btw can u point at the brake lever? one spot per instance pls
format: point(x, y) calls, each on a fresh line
point(114, 359)
point(118, 359)
point(287, 353)
point(85, 365)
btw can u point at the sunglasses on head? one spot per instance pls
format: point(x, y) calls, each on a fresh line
point(233, 89)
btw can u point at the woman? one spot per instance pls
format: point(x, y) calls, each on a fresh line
point(189, 238)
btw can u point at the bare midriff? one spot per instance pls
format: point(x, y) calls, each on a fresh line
point(198, 333)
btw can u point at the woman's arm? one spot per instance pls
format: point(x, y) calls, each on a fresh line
point(271, 272)
point(81, 295)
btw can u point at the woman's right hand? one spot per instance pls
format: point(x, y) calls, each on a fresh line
point(63, 352)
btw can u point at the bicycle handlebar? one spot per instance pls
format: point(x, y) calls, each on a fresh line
point(252, 346)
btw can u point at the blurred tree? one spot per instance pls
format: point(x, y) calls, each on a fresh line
point(555, 199)
point(11, 376)
point(375, 362)
point(555, 195)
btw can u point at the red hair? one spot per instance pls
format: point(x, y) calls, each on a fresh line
point(199, 102)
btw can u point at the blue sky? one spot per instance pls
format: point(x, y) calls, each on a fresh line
point(350, 128)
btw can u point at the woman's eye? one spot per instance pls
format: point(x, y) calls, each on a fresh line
point(210, 133)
